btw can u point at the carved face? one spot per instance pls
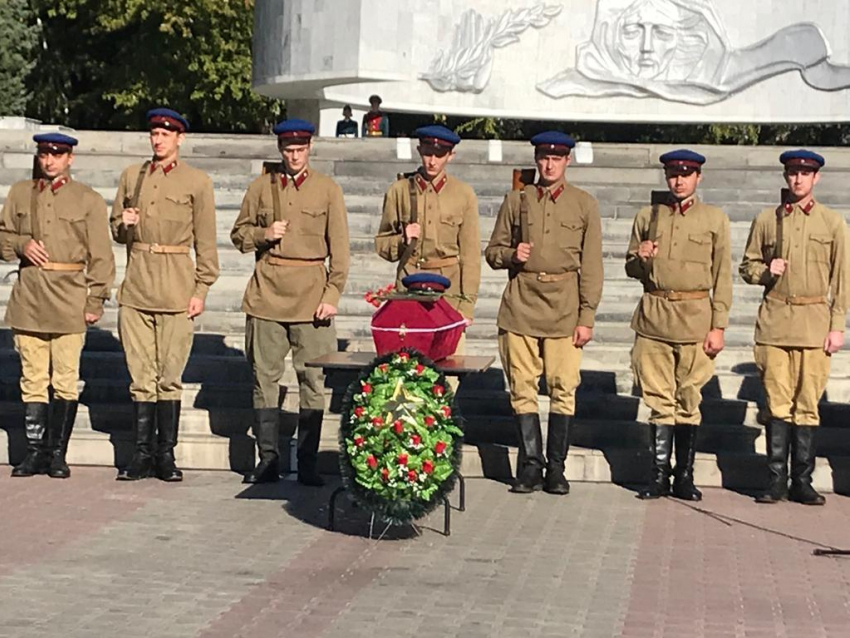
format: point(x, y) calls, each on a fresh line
point(647, 37)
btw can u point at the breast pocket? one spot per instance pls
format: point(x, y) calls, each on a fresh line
point(176, 208)
point(448, 230)
point(313, 222)
point(571, 234)
point(699, 248)
point(820, 248)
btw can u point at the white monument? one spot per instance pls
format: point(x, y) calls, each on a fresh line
point(762, 61)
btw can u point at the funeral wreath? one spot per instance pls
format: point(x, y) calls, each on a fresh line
point(400, 440)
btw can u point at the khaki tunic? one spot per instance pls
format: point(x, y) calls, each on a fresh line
point(693, 255)
point(318, 231)
point(177, 208)
point(74, 229)
point(814, 249)
point(567, 237)
point(448, 214)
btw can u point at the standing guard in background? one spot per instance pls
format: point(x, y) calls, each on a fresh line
point(376, 123)
point(430, 223)
point(797, 252)
point(680, 252)
point(548, 237)
point(294, 221)
point(58, 229)
point(164, 208)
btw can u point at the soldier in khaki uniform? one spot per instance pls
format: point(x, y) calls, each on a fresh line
point(680, 253)
point(58, 229)
point(797, 252)
point(163, 210)
point(295, 222)
point(548, 237)
point(441, 236)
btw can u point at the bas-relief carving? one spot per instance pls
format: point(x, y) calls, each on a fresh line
point(676, 50)
point(467, 65)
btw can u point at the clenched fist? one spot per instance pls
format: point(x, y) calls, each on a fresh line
point(411, 232)
point(276, 231)
point(647, 249)
point(523, 252)
point(130, 217)
point(777, 267)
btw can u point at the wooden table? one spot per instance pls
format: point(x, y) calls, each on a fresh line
point(455, 366)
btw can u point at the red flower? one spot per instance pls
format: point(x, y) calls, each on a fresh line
point(385, 474)
point(416, 439)
point(427, 467)
point(438, 390)
point(366, 388)
point(411, 476)
point(359, 411)
point(420, 368)
point(372, 461)
point(383, 368)
point(377, 421)
point(398, 427)
point(429, 421)
point(358, 441)
point(376, 303)
point(402, 459)
point(440, 447)
point(403, 356)
point(447, 411)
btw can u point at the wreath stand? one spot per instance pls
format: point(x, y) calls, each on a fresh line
point(456, 365)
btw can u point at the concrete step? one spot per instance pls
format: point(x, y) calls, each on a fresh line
point(104, 438)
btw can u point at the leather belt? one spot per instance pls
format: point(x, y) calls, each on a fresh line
point(283, 261)
point(433, 264)
point(794, 300)
point(671, 295)
point(161, 249)
point(548, 278)
point(57, 266)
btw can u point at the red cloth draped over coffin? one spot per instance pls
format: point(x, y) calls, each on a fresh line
point(432, 327)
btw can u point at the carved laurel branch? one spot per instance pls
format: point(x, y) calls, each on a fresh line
point(467, 65)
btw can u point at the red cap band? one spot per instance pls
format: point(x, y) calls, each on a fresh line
point(168, 123)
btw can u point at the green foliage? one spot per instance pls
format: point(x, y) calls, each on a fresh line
point(18, 39)
point(112, 60)
point(399, 443)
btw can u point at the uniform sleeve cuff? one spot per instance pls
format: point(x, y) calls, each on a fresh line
point(201, 291)
point(586, 317)
point(720, 321)
point(94, 306)
point(331, 296)
point(837, 323)
point(259, 237)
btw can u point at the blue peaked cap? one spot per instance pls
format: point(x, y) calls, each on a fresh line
point(437, 135)
point(426, 280)
point(682, 156)
point(802, 158)
point(167, 119)
point(294, 128)
point(54, 140)
point(553, 141)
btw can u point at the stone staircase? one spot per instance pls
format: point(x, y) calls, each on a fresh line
point(609, 444)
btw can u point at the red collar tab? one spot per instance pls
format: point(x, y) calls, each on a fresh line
point(554, 193)
point(807, 209)
point(55, 185)
point(438, 183)
point(298, 180)
point(166, 168)
point(684, 206)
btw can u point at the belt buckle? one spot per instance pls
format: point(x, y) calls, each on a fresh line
point(152, 248)
point(541, 276)
point(667, 294)
point(789, 300)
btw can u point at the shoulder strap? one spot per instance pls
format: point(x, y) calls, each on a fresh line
point(523, 217)
point(34, 221)
point(275, 195)
point(414, 216)
point(134, 203)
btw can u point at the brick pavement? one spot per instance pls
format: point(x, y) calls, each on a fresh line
point(210, 558)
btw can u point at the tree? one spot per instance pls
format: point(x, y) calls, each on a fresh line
point(18, 39)
point(109, 61)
